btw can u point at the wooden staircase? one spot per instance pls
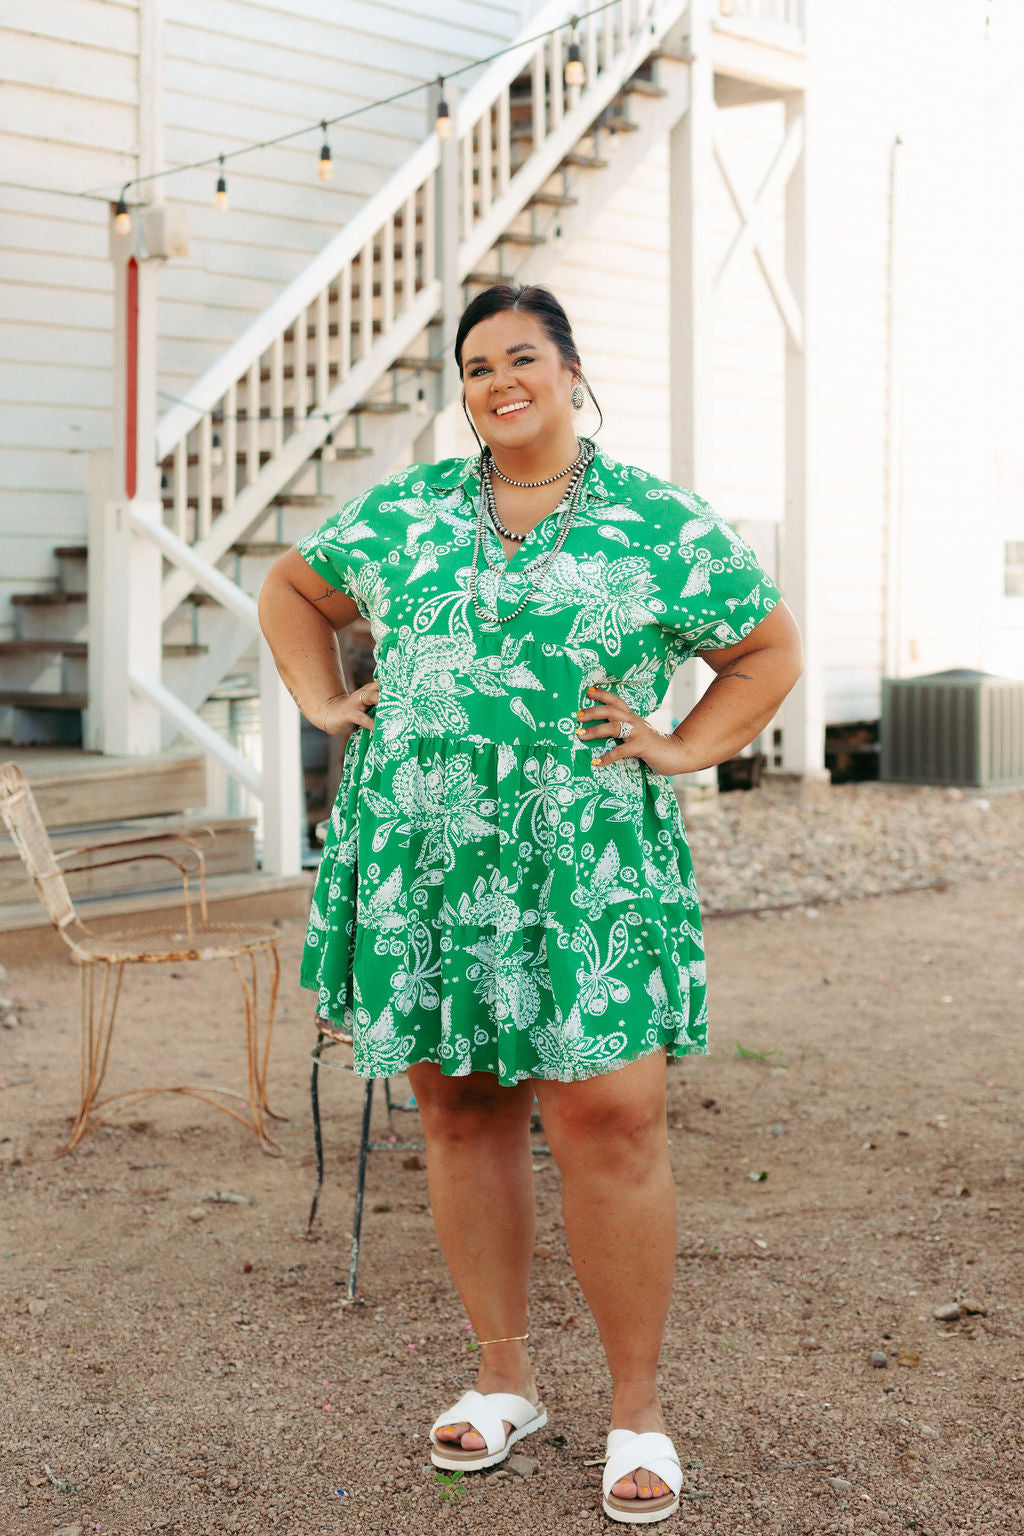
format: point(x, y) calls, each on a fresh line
point(330, 389)
point(85, 798)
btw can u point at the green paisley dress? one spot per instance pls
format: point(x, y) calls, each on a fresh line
point(488, 900)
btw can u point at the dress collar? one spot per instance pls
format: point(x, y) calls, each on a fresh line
point(598, 486)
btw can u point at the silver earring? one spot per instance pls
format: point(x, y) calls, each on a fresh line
point(577, 397)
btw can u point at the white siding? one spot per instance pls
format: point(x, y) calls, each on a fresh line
point(234, 72)
point(69, 121)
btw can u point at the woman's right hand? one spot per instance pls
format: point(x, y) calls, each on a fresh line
point(344, 713)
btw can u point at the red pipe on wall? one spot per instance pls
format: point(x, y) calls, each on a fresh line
point(131, 378)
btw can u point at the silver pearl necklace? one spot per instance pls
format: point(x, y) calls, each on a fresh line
point(531, 485)
point(540, 565)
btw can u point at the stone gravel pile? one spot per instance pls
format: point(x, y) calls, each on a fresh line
point(762, 848)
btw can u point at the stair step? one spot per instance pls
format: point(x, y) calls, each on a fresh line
point(348, 451)
point(231, 850)
point(74, 788)
point(72, 552)
point(23, 698)
point(486, 279)
point(26, 933)
point(553, 200)
point(79, 649)
point(516, 237)
point(612, 124)
point(642, 87)
point(47, 599)
point(43, 648)
point(420, 364)
point(260, 547)
point(584, 162)
point(380, 408)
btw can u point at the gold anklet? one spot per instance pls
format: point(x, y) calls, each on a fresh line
point(513, 1338)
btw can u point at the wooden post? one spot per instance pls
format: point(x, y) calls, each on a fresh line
point(690, 324)
point(803, 720)
point(283, 801)
point(446, 239)
point(125, 572)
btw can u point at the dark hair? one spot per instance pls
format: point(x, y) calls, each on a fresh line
point(536, 301)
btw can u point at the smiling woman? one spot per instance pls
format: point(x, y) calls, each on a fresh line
point(499, 913)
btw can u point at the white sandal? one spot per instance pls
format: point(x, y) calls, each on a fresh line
point(627, 1451)
point(485, 1411)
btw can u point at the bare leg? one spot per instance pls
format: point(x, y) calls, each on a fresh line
point(481, 1194)
point(610, 1139)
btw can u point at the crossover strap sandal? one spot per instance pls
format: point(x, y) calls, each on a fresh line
point(486, 1412)
point(626, 1452)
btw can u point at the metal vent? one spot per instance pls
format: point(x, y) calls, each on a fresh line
point(957, 727)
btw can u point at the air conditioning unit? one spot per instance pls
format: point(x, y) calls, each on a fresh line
point(957, 727)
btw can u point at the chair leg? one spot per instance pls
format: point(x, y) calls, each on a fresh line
point(357, 1215)
point(96, 1034)
point(318, 1140)
point(257, 1060)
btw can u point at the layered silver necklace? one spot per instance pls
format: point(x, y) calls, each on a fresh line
point(488, 508)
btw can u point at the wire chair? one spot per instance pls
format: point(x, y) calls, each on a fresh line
point(246, 945)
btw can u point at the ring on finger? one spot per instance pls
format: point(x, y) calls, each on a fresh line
point(625, 729)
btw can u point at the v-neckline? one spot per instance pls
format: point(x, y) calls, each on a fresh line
point(555, 511)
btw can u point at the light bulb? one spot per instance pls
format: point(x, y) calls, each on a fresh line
point(325, 170)
point(421, 402)
point(443, 125)
point(575, 74)
point(220, 197)
point(727, 7)
point(122, 218)
point(216, 451)
point(328, 452)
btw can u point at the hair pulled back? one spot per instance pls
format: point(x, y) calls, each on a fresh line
point(536, 301)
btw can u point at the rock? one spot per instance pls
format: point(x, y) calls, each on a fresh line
point(809, 1344)
point(289, 1277)
point(542, 1251)
point(908, 1357)
point(929, 1431)
point(225, 1197)
point(69, 1530)
point(36, 1307)
point(972, 1308)
point(415, 1161)
point(947, 1314)
point(839, 1484)
point(522, 1466)
point(197, 1213)
point(879, 1359)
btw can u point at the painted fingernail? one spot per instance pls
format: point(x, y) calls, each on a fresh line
point(595, 762)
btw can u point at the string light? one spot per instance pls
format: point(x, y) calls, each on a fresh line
point(443, 122)
point(325, 170)
point(122, 218)
point(575, 74)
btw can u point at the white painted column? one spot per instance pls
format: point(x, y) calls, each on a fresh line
point(125, 572)
point(283, 806)
point(803, 715)
point(691, 286)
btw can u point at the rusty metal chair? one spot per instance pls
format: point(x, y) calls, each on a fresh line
point(111, 952)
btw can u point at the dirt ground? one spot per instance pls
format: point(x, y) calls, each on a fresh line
point(163, 1372)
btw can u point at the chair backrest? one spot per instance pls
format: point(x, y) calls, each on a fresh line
point(20, 815)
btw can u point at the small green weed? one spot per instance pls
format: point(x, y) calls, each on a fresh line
point(452, 1488)
point(749, 1055)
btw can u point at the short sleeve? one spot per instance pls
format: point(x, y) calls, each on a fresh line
point(347, 549)
point(712, 585)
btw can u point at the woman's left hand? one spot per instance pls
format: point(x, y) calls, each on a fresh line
point(665, 754)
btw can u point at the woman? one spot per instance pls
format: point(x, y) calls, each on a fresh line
point(506, 906)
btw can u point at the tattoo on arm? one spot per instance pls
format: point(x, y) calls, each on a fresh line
point(328, 592)
point(730, 671)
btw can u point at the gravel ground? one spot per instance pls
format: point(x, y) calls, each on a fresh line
point(762, 849)
point(181, 1365)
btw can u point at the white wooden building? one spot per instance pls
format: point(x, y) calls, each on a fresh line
point(788, 233)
